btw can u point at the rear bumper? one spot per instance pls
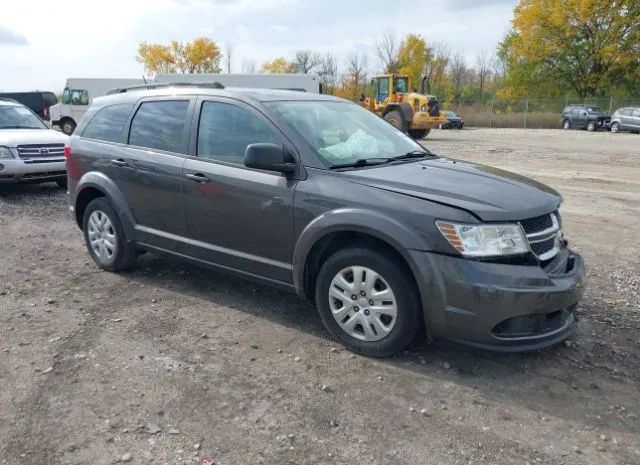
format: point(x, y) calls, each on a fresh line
point(506, 307)
point(36, 170)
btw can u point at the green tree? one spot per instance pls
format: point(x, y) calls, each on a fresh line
point(585, 44)
point(201, 55)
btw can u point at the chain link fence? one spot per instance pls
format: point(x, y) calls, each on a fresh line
point(528, 113)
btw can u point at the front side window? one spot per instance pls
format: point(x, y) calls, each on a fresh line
point(19, 117)
point(160, 125)
point(225, 130)
point(343, 132)
point(107, 123)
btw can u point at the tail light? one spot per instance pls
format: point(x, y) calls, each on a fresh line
point(67, 151)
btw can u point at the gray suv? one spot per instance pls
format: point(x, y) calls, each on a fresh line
point(318, 196)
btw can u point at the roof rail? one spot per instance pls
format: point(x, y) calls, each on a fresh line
point(208, 85)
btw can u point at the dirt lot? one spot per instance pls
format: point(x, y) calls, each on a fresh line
point(172, 364)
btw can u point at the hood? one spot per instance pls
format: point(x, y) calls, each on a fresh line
point(489, 193)
point(13, 137)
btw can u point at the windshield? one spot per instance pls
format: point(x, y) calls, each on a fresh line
point(400, 84)
point(450, 114)
point(343, 132)
point(594, 110)
point(19, 117)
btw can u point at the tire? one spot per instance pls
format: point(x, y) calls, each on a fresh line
point(591, 126)
point(615, 127)
point(123, 253)
point(62, 183)
point(419, 133)
point(566, 124)
point(394, 333)
point(395, 118)
point(68, 126)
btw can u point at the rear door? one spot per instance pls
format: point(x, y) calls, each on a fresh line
point(237, 217)
point(148, 168)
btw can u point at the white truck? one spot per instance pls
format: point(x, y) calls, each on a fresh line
point(77, 96)
point(302, 82)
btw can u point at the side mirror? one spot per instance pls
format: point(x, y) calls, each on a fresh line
point(269, 157)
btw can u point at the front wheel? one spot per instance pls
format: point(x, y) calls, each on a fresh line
point(419, 133)
point(395, 118)
point(105, 238)
point(68, 126)
point(566, 124)
point(368, 301)
point(615, 127)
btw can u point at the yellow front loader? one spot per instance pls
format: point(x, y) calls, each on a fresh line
point(412, 112)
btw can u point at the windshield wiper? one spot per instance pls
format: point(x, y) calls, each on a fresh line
point(18, 127)
point(364, 162)
point(414, 154)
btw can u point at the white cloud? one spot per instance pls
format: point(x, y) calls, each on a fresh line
point(278, 27)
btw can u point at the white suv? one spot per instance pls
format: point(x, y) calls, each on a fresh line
point(30, 151)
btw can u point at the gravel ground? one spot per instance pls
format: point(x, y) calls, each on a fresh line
point(173, 364)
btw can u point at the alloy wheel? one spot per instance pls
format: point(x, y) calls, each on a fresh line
point(363, 303)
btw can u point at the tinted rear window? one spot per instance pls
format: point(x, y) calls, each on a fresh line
point(108, 122)
point(160, 125)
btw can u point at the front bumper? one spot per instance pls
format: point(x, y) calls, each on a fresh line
point(15, 170)
point(507, 307)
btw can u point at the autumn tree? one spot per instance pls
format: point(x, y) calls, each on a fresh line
point(585, 44)
point(328, 73)
point(483, 68)
point(412, 57)
point(435, 68)
point(228, 55)
point(201, 55)
point(279, 65)
point(459, 73)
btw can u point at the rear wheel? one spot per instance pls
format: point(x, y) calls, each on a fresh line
point(615, 127)
point(368, 301)
point(591, 126)
point(105, 238)
point(395, 118)
point(566, 124)
point(419, 133)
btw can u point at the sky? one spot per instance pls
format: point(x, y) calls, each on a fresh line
point(42, 42)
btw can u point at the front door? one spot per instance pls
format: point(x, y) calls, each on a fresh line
point(148, 170)
point(237, 217)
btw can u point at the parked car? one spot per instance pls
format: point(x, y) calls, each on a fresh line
point(30, 151)
point(319, 196)
point(39, 102)
point(582, 116)
point(625, 119)
point(452, 121)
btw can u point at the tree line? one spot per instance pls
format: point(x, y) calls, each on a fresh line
point(577, 48)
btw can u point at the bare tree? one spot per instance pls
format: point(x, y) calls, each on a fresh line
point(249, 66)
point(387, 51)
point(459, 73)
point(355, 76)
point(228, 53)
point(307, 61)
point(483, 69)
point(435, 66)
point(328, 73)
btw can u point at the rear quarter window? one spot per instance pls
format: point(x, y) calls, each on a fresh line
point(160, 125)
point(107, 123)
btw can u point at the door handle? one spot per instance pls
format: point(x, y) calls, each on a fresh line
point(120, 163)
point(197, 177)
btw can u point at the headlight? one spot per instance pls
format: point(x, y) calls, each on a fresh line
point(485, 240)
point(5, 152)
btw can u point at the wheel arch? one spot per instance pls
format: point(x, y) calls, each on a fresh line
point(93, 185)
point(403, 107)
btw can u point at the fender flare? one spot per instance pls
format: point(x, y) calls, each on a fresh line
point(352, 220)
point(101, 182)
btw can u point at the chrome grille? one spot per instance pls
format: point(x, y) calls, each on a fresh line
point(543, 233)
point(41, 150)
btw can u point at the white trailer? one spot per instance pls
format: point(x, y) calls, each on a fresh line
point(301, 82)
point(77, 96)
